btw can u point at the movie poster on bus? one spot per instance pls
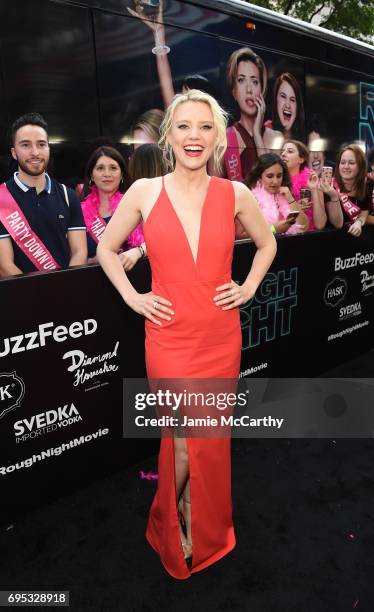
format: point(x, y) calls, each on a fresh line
point(333, 107)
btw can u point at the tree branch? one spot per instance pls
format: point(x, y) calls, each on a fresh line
point(338, 4)
point(288, 7)
point(317, 11)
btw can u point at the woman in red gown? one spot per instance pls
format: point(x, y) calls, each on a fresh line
point(192, 316)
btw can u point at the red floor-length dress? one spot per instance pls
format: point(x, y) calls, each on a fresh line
point(201, 341)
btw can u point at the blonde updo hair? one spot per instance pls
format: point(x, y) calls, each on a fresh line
point(219, 120)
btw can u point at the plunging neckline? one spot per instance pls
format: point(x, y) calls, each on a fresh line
point(195, 261)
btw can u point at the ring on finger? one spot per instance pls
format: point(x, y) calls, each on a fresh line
point(154, 304)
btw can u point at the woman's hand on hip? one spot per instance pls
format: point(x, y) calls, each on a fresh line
point(231, 295)
point(152, 307)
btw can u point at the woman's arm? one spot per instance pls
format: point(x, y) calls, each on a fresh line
point(319, 212)
point(333, 207)
point(161, 50)
point(78, 247)
point(250, 216)
point(356, 228)
point(7, 265)
point(258, 135)
point(335, 213)
point(302, 219)
point(126, 217)
point(129, 258)
point(252, 219)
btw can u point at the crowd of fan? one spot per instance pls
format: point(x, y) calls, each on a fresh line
point(45, 226)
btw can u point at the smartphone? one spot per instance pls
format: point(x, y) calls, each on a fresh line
point(305, 194)
point(326, 174)
point(292, 215)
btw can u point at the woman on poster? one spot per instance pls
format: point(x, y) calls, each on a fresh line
point(246, 77)
point(288, 107)
point(192, 316)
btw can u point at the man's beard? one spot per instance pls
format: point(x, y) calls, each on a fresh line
point(28, 169)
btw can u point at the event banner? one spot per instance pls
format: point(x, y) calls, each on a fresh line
point(313, 310)
point(67, 341)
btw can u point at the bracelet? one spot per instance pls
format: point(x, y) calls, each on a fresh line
point(142, 252)
point(272, 227)
point(360, 221)
point(161, 50)
point(292, 201)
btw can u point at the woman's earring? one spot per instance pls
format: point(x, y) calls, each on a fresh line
point(90, 182)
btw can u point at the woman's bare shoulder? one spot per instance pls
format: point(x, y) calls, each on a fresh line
point(146, 185)
point(244, 197)
point(240, 189)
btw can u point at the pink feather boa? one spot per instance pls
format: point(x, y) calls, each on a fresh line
point(90, 208)
point(300, 181)
point(275, 208)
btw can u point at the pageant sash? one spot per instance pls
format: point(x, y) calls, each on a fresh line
point(232, 156)
point(16, 224)
point(96, 227)
point(351, 209)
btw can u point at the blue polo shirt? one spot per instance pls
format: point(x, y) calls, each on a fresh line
point(49, 216)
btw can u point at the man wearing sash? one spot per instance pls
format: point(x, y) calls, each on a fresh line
point(41, 222)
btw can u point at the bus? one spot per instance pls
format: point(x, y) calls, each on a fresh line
point(102, 71)
point(94, 67)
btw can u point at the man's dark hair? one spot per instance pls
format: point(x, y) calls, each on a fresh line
point(371, 157)
point(198, 81)
point(28, 119)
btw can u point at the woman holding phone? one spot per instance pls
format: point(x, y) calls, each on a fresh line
point(270, 183)
point(305, 186)
point(351, 189)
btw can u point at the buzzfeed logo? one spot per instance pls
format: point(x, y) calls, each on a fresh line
point(38, 338)
point(353, 262)
point(46, 422)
